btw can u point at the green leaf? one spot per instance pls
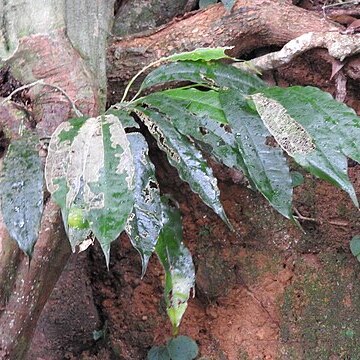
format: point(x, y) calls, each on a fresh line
point(200, 103)
point(266, 165)
point(355, 245)
point(228, 4)
point(21, 191)
point(296, 178)
point(179, 348)
point(145, 221)
point(187, 159)
point(126, 120)
point(212, 137)
point(158, 353)
point(90, 167)
point(182, 348)
point(177, 262)
point(204, 54)
point(332, 132)
point(205, 3)
point(207, 74)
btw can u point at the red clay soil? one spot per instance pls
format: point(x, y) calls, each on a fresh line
point(241, 280)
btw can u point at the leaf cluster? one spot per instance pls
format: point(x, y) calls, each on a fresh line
point(99, 172)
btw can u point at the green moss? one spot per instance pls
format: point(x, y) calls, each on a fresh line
point(320, 310)
point(242, 355)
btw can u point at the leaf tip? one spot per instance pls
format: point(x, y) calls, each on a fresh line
point(106, 251)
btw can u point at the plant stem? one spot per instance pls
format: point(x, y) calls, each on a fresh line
point(135, 77)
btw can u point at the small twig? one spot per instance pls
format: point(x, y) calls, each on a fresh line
point(304, 218)
point(350, 2)
point(8, 98)
point(75, 109)
point(341, 223)
point(41, 82)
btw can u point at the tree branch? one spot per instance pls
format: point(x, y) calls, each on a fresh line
point(251, 24)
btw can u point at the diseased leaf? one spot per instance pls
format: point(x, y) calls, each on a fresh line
point(288, 133)
point(212, 137)
point(266, 165)
point(228, 4)
point(145, 221)
point(207, 74)
point(21, 191)
point(177, 262)
point(333, 127)
point(187, 159)
point(126, 120)
point(204, 54)
point(182, 348)
point(200, 103)
point(90, 167)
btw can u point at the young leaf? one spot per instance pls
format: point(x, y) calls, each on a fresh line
point(204, 54)
point(182, 348)
point(90, 167)
point(187, 159)
point(266, 165)
point(211, 136)
point(21, 191)
point(144, 223)
point(177, 262)
point(228, 4)
point(207, 74)
point(332, 132)
point(200, 103)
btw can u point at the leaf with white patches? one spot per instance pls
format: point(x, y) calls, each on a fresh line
point(145, 221)
point(200, 122)
point(177, 262)
point(21, 192)
point(90, 170)
point(267, 167)
point(331, 131)
point(288, 133)
point(186, 158)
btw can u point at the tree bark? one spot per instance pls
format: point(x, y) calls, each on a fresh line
point(63, 44)
point(250, 25)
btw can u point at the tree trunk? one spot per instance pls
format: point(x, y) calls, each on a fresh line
point(62, 43)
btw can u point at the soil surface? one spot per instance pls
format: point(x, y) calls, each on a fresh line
point(267, 291)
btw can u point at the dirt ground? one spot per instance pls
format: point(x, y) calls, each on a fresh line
point(267, 291)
